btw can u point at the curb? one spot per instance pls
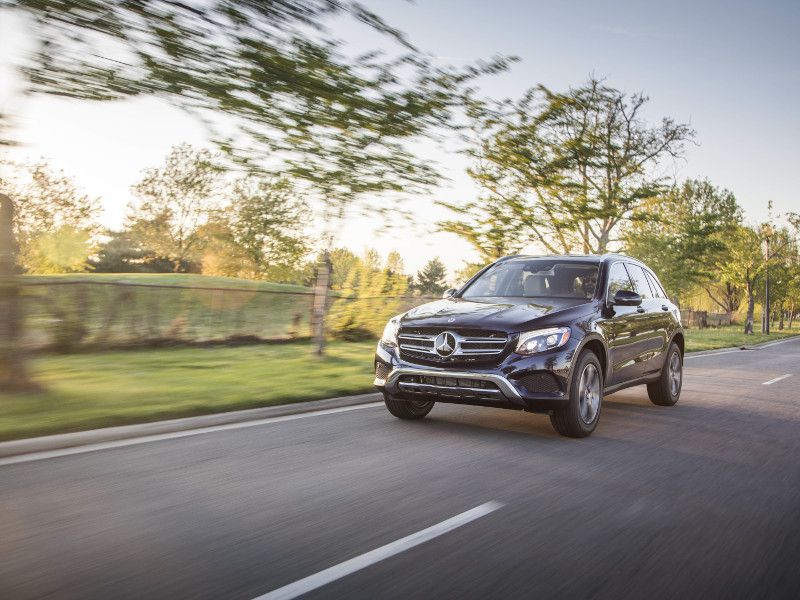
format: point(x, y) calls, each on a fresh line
point(109, 434)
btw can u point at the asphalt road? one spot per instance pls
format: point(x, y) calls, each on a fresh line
point(700, 500)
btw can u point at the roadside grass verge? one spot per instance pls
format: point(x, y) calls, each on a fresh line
point(91, 390)
point(87, 391)
point(732, 337)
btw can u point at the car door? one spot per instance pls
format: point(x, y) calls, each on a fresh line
point(652, 326)
point(620, 327)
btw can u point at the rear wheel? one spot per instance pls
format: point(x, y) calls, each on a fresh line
point(407, 409)
point(579, 418)
point(667, 390)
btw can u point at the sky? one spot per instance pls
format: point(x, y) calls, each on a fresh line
point(731, 69)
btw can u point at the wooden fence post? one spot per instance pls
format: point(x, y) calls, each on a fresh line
point(13, 373)
point(321, 303)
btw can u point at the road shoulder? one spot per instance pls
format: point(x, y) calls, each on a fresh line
point(108, 434)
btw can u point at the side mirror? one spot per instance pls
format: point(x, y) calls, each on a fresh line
point(627, 298)
point(449, 293)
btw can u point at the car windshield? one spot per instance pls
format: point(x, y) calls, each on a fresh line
point(536, 278)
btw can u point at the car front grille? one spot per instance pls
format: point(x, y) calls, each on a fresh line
point(466, 388)
point(540, 382)
point(418, 344)
point(382, 371)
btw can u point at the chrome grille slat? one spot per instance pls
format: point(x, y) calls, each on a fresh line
point(421, 343)
point(418, 349)
point(448, 390)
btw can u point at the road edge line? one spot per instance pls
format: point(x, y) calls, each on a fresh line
point(78, 439)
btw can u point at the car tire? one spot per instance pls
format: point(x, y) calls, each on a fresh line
point(407, 409)
point(667, 389)
point(580, 417)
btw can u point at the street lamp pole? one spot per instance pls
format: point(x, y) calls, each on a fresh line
point(766, 285)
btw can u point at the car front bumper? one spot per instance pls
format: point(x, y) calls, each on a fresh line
point(514, 383)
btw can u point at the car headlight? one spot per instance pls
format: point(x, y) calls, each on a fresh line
point(389, 335)
point(540, 340)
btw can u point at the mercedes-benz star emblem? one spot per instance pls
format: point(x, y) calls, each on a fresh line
point(445, 343)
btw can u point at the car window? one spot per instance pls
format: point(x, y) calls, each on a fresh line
point(536, 278)
point(657, 289)
point(640, 281)
point(618, 280)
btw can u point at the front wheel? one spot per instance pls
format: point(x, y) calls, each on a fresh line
point(579, 418)
point(407, 409)
point(667, 389)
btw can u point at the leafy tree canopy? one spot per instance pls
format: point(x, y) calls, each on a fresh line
point(431, 279)
point(174, 201)
point(685, 233)
point(266, 77)
point(562, 170)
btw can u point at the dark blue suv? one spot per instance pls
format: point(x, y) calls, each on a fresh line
point(547, 334)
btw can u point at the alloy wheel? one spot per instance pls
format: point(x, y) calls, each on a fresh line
point(675, 373)
point(589, 393)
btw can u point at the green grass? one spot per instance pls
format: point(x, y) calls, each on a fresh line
point(732, 336)
point(85, 391)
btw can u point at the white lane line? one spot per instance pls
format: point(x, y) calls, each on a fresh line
point(34, 456)
point(777, 379)
point(317, 580)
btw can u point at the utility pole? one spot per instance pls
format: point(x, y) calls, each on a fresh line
point(766, 285)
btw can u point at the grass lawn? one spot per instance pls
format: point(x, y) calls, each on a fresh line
point(85, 391)
point(732, 336)
point(90, 390)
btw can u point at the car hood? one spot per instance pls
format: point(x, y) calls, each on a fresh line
point(503, 314)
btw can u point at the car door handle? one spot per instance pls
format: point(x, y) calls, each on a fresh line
point(640, 309)
point(664, 307)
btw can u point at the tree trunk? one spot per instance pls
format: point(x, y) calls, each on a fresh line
point(321, 304)
point(751, 305)
point(13, 372)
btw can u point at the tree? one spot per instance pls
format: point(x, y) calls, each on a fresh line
point(55, 225)
point(683, 235)
point(173, 202)
point(343, 261)
point(62, 251)
point(394, 263)
point(430, 281)
point(566, 169)
point(121, 252)
point(371, 295)
point(779, 244)
point(286, 88)
point(266, 223)
point(744, 265)
point(493, 225)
